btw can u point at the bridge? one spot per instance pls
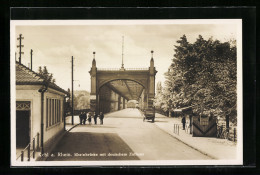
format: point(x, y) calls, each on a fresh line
point(111, 89)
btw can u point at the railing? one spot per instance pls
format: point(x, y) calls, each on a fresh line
point(108, 69)
point(28, 148)
point(136, 68)
point(118, 69)
point(176, 129)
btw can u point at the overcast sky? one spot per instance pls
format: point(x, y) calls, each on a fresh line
point(54, 44)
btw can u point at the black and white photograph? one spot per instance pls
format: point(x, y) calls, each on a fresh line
point(126, 92)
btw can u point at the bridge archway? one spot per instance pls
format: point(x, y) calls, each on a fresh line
point(103, 80)
point(115, 94)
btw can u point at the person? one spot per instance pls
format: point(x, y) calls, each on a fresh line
point(101, 117)
point(95, 118)
point(183, 120)
point(89, 118)
point(80, 118)
point(84, 117)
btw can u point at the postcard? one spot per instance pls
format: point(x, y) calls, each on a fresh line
point(126, 92)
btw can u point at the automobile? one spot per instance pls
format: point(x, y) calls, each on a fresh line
point(149, 114)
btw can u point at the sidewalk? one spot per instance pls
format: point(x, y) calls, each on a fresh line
point(68, 125)
point(213, 147)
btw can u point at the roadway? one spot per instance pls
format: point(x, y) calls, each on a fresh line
point(123, 136)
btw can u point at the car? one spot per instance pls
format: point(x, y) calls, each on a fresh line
point(149, 114)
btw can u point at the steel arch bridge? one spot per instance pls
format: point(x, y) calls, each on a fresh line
point(111, 89)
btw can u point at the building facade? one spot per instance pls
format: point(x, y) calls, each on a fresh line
point(39, 109)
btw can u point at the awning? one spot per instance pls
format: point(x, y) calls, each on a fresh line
point(183, 109)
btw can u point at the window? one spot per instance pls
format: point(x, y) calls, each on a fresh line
point(53, 113)
point(47, 112)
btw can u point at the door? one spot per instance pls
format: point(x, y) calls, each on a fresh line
point(22, 128)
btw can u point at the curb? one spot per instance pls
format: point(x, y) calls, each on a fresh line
point(72, 127)
point(207, 154)
point(45, 158)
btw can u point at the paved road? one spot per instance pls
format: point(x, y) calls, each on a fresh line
point(124, 136)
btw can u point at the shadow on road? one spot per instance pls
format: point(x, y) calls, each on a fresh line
point(161, 121)
point(124, 117)
point(82, 146)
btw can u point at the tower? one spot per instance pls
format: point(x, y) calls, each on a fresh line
point(152, 73)
point(93, 93)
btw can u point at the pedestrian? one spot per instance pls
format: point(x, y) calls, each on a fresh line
point(84, 117)
point(80, 117)
point(95, 118)
point(183, 120)
point(101, 117)
point(89, 118)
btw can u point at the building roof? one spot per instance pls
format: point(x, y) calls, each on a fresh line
point(25, 76)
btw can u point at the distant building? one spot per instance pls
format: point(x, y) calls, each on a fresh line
point(39, 109)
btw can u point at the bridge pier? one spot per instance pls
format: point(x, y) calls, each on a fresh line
point(123, 103)
point(119, 102)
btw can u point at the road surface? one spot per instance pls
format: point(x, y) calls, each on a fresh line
point(123, 136)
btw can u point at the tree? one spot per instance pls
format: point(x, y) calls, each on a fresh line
point(81, 100)
point(48, 77)
point(203, 74)
point(158, 99)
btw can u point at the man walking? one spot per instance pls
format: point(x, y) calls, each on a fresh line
point(84, 116)
point(183, 120)
point(101, 117)
point(95, 118)
point(89, 118)
point(80, 118)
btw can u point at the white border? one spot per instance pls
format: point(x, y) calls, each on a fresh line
point(238, 161)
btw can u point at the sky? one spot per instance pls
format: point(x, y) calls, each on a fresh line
point(55, 42)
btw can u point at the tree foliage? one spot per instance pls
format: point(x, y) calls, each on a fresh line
point(81, 100)
point(203, 74)
point(48, 77)
point(158, 101)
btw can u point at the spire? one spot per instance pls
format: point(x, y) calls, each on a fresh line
point(151, 61)
point(122, 67)
point(94, 61)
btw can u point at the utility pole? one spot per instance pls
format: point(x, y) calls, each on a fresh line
point(122, 66)
point(72, 112)
point(20, 46)
point(31, 58)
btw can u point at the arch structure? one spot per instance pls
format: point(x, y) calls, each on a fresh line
point(111, 89)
